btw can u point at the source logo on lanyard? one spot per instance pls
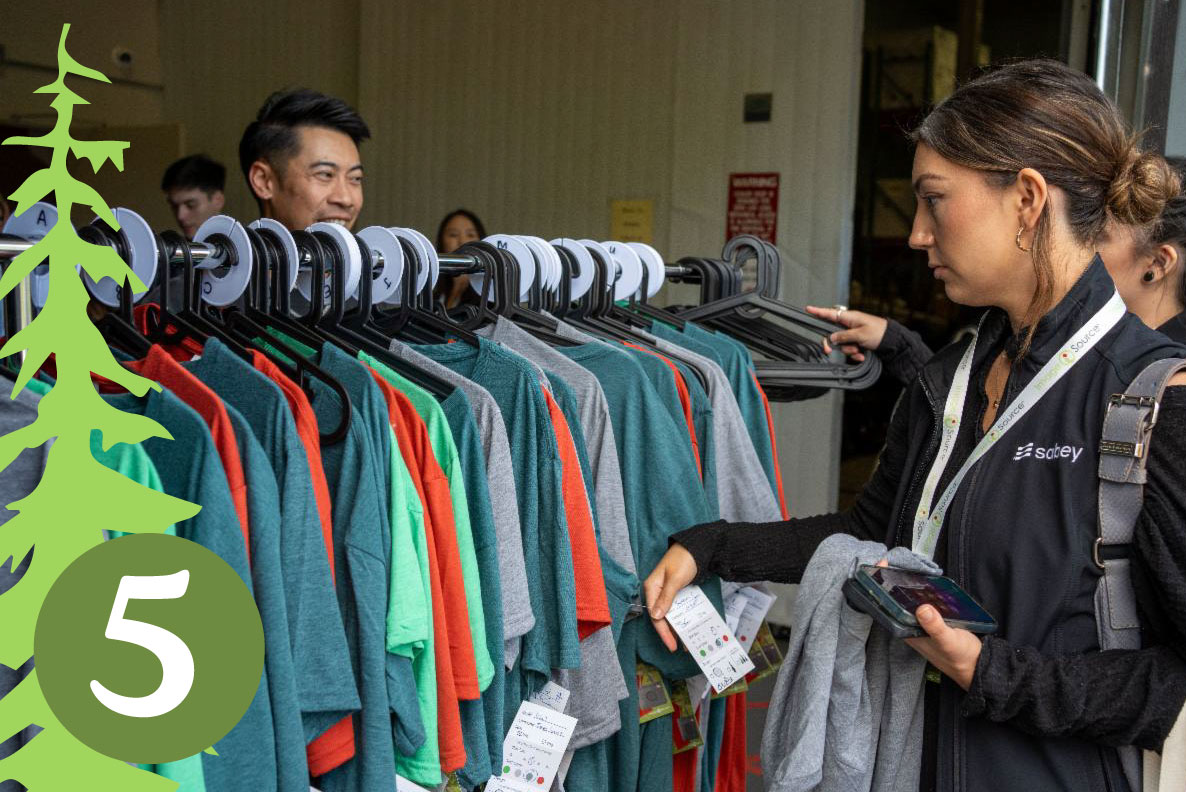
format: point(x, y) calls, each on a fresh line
point(931, 513)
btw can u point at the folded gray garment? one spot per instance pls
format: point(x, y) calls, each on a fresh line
point(847, 709)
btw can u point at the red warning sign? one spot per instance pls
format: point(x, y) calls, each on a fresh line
point(753, 205)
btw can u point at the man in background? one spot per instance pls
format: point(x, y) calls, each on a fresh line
point(300, 158)
point(193, 186)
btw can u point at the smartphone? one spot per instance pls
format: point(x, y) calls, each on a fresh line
point(891, 596)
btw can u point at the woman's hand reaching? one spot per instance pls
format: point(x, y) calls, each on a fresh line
point(675, 570)
point(864, 333)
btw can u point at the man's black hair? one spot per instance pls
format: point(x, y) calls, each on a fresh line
point(272, 135)
point(195, 171)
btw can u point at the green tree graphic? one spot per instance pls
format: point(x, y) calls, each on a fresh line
point(77, 497)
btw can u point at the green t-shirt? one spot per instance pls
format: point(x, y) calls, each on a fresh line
point(445, 450)
point(477, 767)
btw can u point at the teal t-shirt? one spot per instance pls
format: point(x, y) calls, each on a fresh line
point(358, 472)
point(315, 629)
point(553, 642)
point(190, 469)
point(481, 519)
point(737, 364)
point(263, 517)
point(362, 542)
point(660, 482)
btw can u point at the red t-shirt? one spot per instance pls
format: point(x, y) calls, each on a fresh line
point(591, 601)
point(685, 401)
point(160, 366)
point(732, 766)
point(457, 677)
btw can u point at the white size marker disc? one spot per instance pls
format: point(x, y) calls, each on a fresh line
point(142, 251)
point(522, 256)
point(385, 279)
point(656, 269)
point(33, 224)
point(434, 261)
point(582, 281)
point(351, 256)
point(425, 255)
point(287, 244)
point(543, 265)
point(609, 259)
point(631, 277)
point(550, 262)
point(223, 289)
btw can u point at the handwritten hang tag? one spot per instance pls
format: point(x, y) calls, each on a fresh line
point(533, 749)
point(404, 785)
point(552, 696)
point(708, 638)
point(757, 605)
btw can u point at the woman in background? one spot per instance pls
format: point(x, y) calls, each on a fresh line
point(457, 228)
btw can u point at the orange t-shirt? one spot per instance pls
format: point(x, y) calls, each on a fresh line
point(685, 401)
point(457, 678)
point(782, 499)
point(160, 366)
point(731, 768)
point(308, 431)
point(591, 601)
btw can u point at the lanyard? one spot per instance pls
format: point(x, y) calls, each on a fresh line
point(929, 519)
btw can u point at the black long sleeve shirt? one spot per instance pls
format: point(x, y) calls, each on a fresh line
point(1116, 698)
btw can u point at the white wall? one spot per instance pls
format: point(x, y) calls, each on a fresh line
point(536, 114)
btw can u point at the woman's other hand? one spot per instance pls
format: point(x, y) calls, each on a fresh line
point(864, 332)
point(675, 570)
point(952, 650)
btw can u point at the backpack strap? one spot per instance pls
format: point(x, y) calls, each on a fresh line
point(1124, 452)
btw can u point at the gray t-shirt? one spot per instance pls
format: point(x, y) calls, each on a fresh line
point(598, 685)
point(744, 493)
point(517, 617)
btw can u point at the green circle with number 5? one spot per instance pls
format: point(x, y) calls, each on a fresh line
point(149, 648)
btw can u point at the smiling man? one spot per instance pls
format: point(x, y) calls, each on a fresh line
point(300, 158)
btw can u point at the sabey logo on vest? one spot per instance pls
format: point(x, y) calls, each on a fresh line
point(1047, 453)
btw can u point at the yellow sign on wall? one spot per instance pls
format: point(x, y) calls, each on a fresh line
point(632, 221)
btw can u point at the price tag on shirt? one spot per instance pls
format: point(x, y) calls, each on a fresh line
point(404, 785)
point(708, 638)
point(552, 696)
point(757, 604)
point(533, 749)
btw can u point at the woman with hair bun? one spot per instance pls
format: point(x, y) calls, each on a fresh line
point(1018, 174)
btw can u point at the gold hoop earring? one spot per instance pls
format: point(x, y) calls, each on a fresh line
point(1017, 241)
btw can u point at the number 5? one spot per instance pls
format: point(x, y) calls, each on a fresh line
point(177, 663)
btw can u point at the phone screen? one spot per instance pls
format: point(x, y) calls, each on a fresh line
point(912, 590)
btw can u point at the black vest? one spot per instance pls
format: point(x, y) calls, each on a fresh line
point(1019, 533)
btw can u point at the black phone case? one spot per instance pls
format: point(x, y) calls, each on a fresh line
point(860, 600)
